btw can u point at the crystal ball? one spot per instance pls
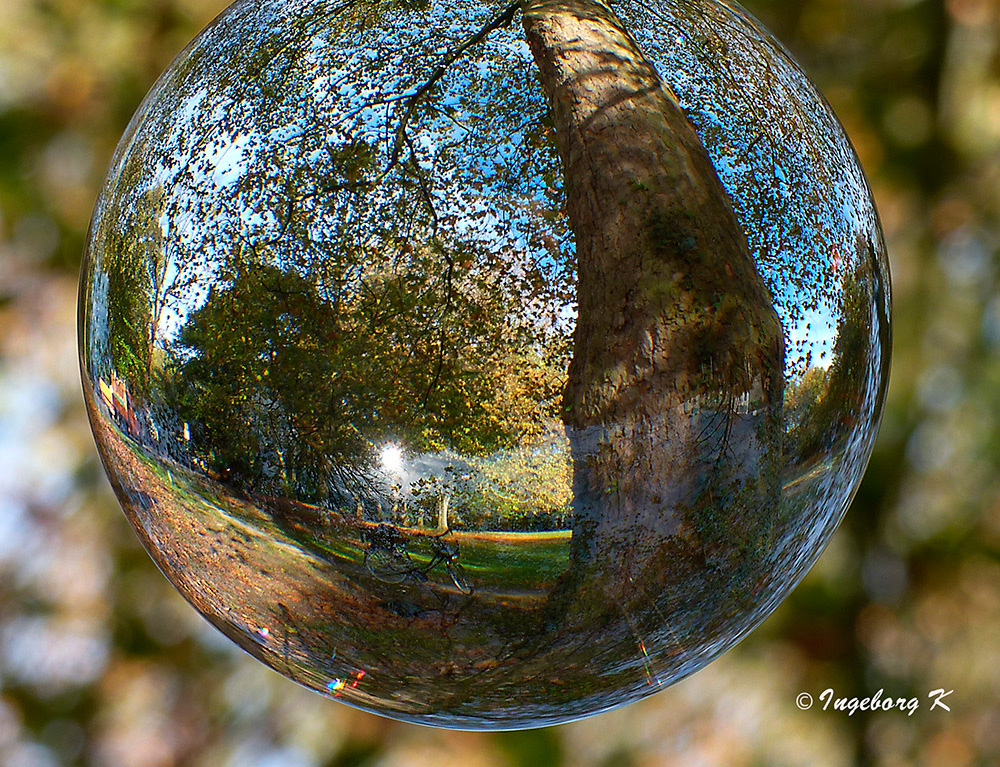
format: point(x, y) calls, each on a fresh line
point(485, 366)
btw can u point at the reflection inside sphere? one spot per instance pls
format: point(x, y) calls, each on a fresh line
point(426, 375)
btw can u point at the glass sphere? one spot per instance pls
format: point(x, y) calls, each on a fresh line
point(481, 366)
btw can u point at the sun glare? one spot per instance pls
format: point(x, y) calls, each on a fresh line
point(392, 458)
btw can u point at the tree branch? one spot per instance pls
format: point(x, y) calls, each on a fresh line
point(502, 20)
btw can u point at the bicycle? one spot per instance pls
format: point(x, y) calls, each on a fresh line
point(388, 558)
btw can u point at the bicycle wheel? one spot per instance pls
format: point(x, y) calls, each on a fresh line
point(458, 577)
point(388, 565)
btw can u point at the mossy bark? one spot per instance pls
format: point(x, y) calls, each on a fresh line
point(674, 396)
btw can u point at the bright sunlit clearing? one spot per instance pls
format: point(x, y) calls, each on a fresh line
point(392, 458)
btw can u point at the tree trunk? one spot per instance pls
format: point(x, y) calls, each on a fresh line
point(442, 521)
point(674, 396)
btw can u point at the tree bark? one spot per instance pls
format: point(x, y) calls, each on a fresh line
point(674, 395)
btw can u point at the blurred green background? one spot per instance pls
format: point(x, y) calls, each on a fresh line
point(103, 664)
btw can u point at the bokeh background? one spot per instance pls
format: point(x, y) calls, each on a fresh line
point(103, 664)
